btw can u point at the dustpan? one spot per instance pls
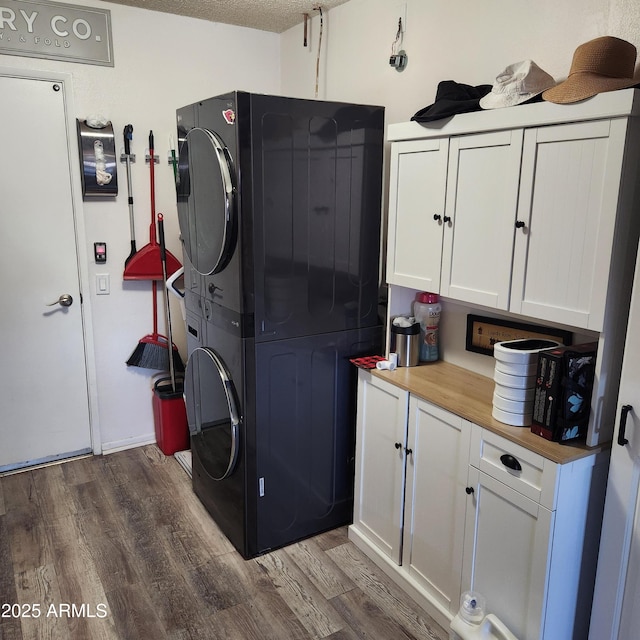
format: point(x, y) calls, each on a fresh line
point(146, 264)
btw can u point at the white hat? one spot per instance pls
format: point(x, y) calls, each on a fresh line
point(518, 83)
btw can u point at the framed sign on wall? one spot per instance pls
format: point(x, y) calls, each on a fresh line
point(483, 333)
point(56, 31)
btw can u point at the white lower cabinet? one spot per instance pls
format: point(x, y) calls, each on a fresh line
point(507, 551)
point(444, 506)
point(434, 508)
point(380, 456)
point(411, 473)
point(528, 547)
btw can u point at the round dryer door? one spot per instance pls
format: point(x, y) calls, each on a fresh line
point(206, 200)
point(212, 412)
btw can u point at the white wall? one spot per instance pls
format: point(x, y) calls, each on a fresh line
point(466, 41)
point(161, 62)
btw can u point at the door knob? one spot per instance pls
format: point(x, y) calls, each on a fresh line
point(65, 300)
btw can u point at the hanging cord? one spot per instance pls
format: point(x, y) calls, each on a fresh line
point(318, 8)
point(396, 42)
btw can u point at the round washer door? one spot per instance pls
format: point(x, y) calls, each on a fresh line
point(212, 412)
point(206, 200)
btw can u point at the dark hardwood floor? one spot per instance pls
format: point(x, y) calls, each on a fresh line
point(119, 547)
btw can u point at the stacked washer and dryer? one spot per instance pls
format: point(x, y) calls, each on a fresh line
point(279, 204)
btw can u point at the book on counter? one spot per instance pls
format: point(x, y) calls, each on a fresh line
point(562, 398)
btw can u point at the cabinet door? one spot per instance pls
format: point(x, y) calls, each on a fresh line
point(380, 461)
point(506, 553)
point(435, 505)
point(617, 614)
point(482, 196)
point(416, 212)
point(568, 201)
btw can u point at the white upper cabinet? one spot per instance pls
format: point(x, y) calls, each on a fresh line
point(528, 209)
point(416, 213)
point(569, 190)
point(482, 194)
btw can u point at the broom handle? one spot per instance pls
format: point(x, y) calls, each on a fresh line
point(154, 290)
point(167, 304)
point(152, 162)
point(152, 228)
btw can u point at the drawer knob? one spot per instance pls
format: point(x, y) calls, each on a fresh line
point(519, 224)
point(469, 490)
point(509, 461)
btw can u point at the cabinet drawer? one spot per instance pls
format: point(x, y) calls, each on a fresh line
point(494, 455)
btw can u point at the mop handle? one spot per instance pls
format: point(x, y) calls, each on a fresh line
point(152, 161)
point(128, 134)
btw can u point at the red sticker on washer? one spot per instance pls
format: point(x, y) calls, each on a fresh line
point(229, 115)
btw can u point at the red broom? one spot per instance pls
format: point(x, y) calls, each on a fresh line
point(152, 351)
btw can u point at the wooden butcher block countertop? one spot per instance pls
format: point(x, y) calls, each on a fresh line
point(470, 396)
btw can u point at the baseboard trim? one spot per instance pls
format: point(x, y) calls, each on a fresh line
point(129, 443)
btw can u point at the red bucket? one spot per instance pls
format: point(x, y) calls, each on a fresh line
point(170, 416)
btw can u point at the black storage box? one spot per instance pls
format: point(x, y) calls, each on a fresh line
point(562, 399)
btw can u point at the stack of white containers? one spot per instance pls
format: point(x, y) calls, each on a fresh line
point(515, 378)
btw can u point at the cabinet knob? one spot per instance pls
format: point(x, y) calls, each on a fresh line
point(469, 490)
point(446, 219)
point(408, 451)
point(398, 445)
point(437, 217)
point(519, 224)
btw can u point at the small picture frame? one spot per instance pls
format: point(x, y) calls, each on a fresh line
point(483, 333)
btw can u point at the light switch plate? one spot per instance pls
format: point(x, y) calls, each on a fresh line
point(102, 284)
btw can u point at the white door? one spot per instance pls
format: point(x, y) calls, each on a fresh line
point(615, 614)
point(43, 381)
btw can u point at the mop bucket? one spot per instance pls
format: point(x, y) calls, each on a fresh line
point(170, 416)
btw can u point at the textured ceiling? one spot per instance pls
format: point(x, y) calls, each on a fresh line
point(267, 15)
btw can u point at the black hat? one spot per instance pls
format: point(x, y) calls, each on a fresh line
point(451, 98)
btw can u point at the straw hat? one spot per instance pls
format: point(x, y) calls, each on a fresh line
point(518, 83)
point(602, 64)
